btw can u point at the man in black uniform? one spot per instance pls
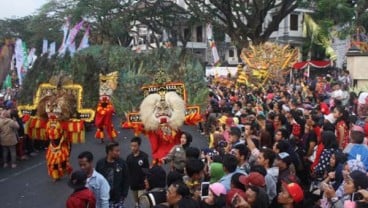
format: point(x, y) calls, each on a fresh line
point(115, 170)
point(136, 161)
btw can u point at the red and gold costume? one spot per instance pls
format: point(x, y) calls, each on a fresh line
point(58, 152)
point(57, 116)
point(105, 111)
point(162, 112)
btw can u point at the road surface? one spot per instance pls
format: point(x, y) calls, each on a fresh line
point(29, 185)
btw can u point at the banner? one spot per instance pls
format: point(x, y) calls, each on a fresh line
point(72, 49)
point(31, 57)
point(65, 29)
point(44, 46)
point(211, 41)
point(52, 49)
point(84, 42)
point(73, 33)
point(19, 58)
point(25, 59)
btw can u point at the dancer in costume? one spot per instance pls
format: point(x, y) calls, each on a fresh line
point(162, 116)
point(57, 116)
point(57, 108)
point(105, 109)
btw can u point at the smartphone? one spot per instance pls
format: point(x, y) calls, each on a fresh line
point(356, 196)
point(205, 189)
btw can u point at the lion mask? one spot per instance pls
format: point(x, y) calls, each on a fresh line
point(156, 110)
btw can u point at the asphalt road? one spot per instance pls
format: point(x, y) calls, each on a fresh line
point(29, 186)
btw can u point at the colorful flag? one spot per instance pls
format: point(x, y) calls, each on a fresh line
point(84, 42)
point(211, 41)
point(73, 32)
point(44, 46)
point(65, 29)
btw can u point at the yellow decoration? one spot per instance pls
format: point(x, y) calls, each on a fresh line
point(268, 61)
point(87, 115)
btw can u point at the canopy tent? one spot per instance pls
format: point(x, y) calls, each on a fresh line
point(316, 64)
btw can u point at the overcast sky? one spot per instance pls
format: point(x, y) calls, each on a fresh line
point(19, 8)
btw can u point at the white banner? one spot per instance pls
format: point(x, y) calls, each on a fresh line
point(31, 57)
point(19, 58)
point(44, 46)
point(220, 71)
point(216, 57)
point(72, 49)
point(52, 49)
point(84, 42)
point(65, 29)
point(341, 47)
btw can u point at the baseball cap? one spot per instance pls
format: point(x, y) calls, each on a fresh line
point(234, 191)
point(285, 157)
point(254, 178)
point(218, 189)
point(295, 191)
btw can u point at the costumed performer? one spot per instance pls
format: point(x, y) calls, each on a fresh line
point(162, 114)
point(105, 111)
point(57, 108)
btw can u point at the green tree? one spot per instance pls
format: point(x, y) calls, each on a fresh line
point(242, 19)
point(160, 16)
point(330, 13)
point(108, 19)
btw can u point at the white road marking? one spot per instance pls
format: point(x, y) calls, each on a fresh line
point(22, 171)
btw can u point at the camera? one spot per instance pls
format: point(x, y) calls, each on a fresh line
point(222, 144)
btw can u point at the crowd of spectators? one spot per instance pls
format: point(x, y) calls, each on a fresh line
point(298, 144)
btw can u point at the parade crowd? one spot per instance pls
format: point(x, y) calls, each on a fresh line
point(300, 144)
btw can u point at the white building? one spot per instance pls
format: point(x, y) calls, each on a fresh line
point(290, 31)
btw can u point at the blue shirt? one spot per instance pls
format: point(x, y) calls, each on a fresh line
point(100, 188)
point(226, 179)
point(357, 152)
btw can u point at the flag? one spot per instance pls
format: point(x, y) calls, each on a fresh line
point(211, 41)
point(65, 29)
point(44, 46)
point(73, 33)
point(25, 58)
point(72, 49)
point(84, 42)
point(19, 57)
point(31, 57)
point(52, 49)
point(7, 83)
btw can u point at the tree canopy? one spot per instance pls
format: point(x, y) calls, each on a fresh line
point(243, 20)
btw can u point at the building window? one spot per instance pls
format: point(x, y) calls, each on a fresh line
point(294, 22)
point(199, 31)
point(231, 53)
point(187, 34)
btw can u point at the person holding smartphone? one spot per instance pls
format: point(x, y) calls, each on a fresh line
point(353, 182)
point(215, 196)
